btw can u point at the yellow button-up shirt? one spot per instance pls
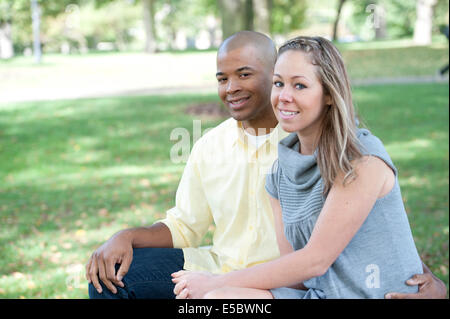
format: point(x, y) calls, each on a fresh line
point(223, 183)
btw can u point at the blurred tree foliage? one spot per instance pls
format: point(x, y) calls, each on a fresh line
point(267, 16)
point(399, 17)
point(189, 16)
point(286, 17)
point(17, 14)
point(80, 25)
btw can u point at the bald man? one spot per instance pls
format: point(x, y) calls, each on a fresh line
point(222, 184)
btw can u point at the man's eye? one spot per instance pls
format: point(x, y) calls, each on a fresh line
point(299, 86)
point(221, 80)
point(278, 84)
point(244, 75)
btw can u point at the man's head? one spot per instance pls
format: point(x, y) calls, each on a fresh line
point(245, 64)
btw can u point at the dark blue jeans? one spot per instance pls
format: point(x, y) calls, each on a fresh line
point(148, 276)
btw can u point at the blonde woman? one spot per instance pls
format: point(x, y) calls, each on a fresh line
point(341, 226)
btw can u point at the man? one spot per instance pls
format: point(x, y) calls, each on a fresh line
point(222, 183)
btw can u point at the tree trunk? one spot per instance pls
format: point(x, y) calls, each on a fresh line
point(6, 44)
point(36, 17)
point(336, 20)
point(249, 15)
point(380, 25)
point(424, 21)
point(233, 16)
point(149, 26)
point(262, 11)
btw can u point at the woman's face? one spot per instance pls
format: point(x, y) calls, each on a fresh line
point(297, 97)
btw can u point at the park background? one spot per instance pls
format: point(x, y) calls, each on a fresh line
point(90, 91)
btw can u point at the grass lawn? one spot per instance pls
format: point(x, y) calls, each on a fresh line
point(74, 172)
point(368, 63)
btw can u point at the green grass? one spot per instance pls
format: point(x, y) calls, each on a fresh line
point(368, 62)
point(74, 172)
point(412, 121)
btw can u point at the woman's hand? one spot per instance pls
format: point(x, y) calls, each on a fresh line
point(194, 285)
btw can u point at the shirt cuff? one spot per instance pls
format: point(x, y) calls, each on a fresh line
point(178, 239)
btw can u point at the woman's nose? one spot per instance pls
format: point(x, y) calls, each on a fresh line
point(285, 95)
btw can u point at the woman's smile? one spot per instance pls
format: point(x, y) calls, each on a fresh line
point(286, 115)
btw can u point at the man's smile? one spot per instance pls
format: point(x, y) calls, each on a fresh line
point(237, 103)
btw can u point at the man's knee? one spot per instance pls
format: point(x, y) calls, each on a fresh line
point(148, 275)
point(94, 294)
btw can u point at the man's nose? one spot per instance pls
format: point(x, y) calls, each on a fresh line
point(233, 86)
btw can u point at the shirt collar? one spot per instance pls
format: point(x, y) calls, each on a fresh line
point(238, 135)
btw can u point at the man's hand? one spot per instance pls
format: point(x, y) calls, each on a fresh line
point(430, 287)
point(117, 250)
point(193, 285)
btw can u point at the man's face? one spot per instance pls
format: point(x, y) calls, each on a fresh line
point(245, 83)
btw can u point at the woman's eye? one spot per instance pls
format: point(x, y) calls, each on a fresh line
point(278, 84)
point(299, 86)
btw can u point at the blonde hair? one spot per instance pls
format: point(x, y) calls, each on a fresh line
point(338, 143)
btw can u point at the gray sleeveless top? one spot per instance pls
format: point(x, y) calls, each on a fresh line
point(380, 257)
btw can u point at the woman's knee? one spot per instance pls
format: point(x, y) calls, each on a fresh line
point(220, 293)
point(238, 293)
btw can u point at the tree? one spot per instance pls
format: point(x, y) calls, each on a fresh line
point(424, 21)
point(374, 13)
point(286, 15)
point(163, 19)
point(375, 19)
point(336, 20)
point(233, 14)
point(148, 16)
point(262, 15)
point(7, 10)
point(265, 16)
point(36, 17)
point(240, 15)
point(6, 44)
point(15, 20)
point(186, 23)
point(149, 25)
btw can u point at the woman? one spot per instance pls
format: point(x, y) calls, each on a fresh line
point(341, 225)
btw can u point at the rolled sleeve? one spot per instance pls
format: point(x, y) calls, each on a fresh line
point(182, 234)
